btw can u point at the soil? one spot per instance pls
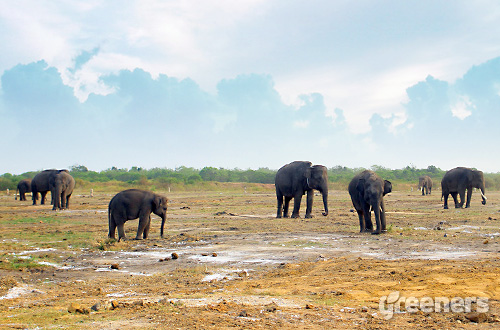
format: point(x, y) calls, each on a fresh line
point(226, 262)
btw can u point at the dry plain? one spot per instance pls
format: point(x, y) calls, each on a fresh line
point(238, 266)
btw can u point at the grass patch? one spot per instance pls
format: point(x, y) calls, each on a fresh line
point(10, 262)
point(48, 220)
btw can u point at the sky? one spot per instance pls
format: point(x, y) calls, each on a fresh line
point(249, 84)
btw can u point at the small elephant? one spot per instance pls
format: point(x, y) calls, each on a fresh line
point(294, 180)
point(132, 204)
point(457, 180)
point(425, 182)
point(24, 186)
point(61, 187)
point(367, 190)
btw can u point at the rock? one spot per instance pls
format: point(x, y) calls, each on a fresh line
point(364, 309)
point(271, 307)
point(77, 308)
point(243, 313)
point(485, 241)
point(309, 306)
point(114, 304)
point(115, 266)
point(214, 254)
point(476, 317)
point(96, 307)
point(175, 256)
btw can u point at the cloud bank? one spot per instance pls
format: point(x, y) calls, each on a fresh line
point(140, 119)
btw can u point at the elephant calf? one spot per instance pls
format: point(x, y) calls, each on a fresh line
point(132, 204)
point(367, 190)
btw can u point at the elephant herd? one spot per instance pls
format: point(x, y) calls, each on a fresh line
point(293, 180)
point(59, 182)
point(366, 189)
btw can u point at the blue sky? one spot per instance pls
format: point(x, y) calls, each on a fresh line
point(249, 84)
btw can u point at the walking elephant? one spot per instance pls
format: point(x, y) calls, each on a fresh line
point(61, 187)
point(457, 180)
point(425, 182)
point(132, 204)
point(367, 190)
point(24, 186)
point(294, 180)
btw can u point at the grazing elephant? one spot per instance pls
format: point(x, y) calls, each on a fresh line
point(24, 186)
point(294, 180)
point(367, 190)
point(41, 184)
point(425, 182)
point(132, 204)
point(457, 180)
point(61, 187)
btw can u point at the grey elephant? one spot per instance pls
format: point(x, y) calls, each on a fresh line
point(425, 182)
point(41, 184)
point(24, 186)
point(459, 179)
point(367, 190)
point(61, 187)
point(294, 180)
point(132, 204)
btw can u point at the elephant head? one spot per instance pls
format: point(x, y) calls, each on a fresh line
point(317, 178)
point(477, 181)
point(160, 209)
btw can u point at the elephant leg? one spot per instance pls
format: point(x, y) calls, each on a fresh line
point(469, 195)
point(287, 206)
point(67, 201)
point(42, 199)
point(112, 228)
point(63, 200)
point(445, 196)
point(455, 199)
point(382, 217)
point(121, 231)
point(309, 205)
point(367, 217)
point(280, 206)
point(144, 221)
point(296, 205)
point(462, 199)
point(362, 227)
point(146, 229)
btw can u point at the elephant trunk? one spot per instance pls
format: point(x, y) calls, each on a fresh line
point(482, 195)
point(163, 218)
point(325, 201)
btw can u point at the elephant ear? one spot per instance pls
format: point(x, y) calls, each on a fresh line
point(157, 202)
point(360, 187)
point(387, 187)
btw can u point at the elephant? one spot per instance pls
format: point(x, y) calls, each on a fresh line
point(24, 186)
point(61, 187)
point(367, 190)
point(132, 204)
point(425, 182)
point(457, 180)
point(41, 184)
point(294, 180)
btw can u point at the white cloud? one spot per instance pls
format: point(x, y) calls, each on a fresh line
point(462, 108)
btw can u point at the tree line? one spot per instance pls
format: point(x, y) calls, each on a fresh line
point(190, 176)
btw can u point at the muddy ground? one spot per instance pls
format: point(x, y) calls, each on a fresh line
point(227, 262)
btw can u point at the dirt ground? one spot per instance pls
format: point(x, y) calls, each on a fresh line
point(226, 262)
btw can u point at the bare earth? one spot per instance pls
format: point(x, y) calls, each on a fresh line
point(238, 266)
